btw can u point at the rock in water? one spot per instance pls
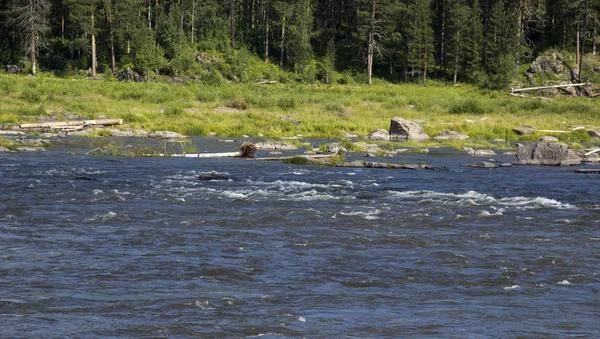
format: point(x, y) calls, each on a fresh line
point(405, 130)
point(214, 175)
point(378, 134)
point(548, 154)
point(481, 164)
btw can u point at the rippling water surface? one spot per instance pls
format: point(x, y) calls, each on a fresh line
point(95, 247)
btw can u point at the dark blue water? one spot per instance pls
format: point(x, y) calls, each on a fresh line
point(99, 247)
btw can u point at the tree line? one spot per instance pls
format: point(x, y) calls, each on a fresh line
point(474, 41)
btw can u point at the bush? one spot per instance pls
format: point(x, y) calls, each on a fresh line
point(469, 106)
point(286, 103)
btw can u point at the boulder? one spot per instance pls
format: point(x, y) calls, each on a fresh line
point(214, 175)
point(546, 138)
point(275, 145)
point(406, 130)
point(481, 164)
point(4, 149)
point(165, 135)
point(548, 154)
point(450, 135)
point(129, 75)
point(378, 134)
point(523, 130)
point(12, 69)
point(478, 152)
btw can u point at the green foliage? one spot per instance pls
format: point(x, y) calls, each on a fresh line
point(468, 106)
point(286, 103)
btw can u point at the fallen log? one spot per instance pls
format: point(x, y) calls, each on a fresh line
point(72, 124)
point(247, 150)
point(515, 90)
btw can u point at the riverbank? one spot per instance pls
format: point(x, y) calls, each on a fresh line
point(291, 110)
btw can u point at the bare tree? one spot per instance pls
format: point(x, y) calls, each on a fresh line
point(31, 17)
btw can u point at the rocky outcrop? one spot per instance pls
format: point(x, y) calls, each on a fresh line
point(523, 130)
point(129, 75)
point(275, 145)
point(547, 154)
point(12, 69)
point(450, 135)
point(406, 130)
point(379, 134)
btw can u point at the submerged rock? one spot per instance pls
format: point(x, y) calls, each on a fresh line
point(481, 164)
point(406, 130)
point(214, 175)
point(548, 154)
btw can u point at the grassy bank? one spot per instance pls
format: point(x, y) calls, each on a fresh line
point(324, 111)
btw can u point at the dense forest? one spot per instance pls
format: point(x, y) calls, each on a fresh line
point(474, 41)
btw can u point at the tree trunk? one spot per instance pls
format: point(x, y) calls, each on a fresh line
point(94, 61)
point(282, 42)
point(267, 35)
point(33, 51)
point(371, 43)
point(193, 19)
point(232, 22)
point(113, 65)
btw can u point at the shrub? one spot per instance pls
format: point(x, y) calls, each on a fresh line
point(286, 103)
point(469, 106)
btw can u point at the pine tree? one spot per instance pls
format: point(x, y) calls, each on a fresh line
point(31, 18)
point(84, 13)
point(421, 40)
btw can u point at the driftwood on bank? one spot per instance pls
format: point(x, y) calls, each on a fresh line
point(516, 90)
point(71, 125)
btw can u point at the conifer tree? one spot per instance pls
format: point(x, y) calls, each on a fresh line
point(31, 18)
point(420, 39)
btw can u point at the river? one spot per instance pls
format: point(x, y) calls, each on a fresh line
point(106, 247)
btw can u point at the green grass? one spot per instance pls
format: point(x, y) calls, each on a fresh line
point(325, 111)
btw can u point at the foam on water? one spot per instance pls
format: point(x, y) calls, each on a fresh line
point(473, 198)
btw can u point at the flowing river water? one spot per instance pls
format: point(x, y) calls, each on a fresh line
point(106, 247)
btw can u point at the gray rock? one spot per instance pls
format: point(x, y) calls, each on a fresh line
point(12, 69)
point(523, 130)
point(405, 130)
point(588, 170)
point(127, 132)
point(275, 145)
point(165, 135)
point(214, 175)
point(479, 152)
point(378, 134)
point(450, 135)
point(548, 154)
point(4, 149)
point(5, 132)
point(546, 138)
point(506, 164)
point(349, 135)
point(481, 164)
